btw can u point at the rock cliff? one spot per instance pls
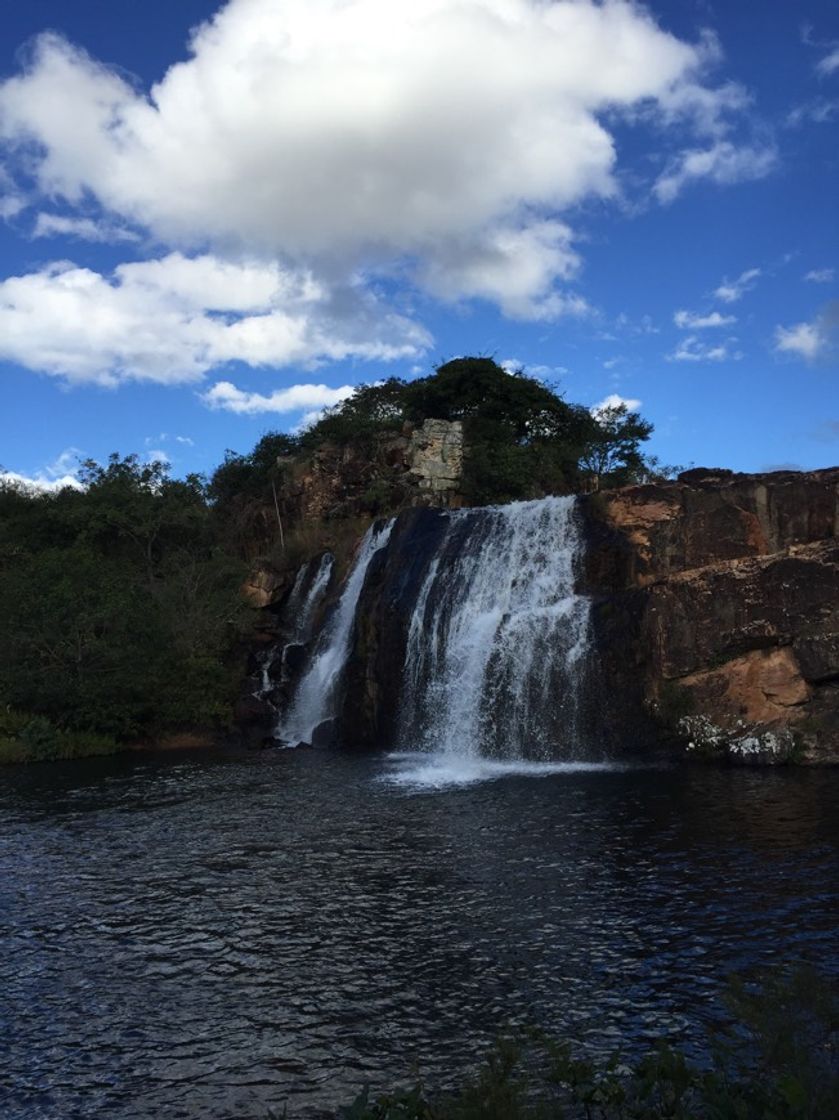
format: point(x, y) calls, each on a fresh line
point(420, 465)
point(717, 610)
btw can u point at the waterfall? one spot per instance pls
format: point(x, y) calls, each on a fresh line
point(497, 641)
point(298, 614)
point(316, 695)
point(302, 604)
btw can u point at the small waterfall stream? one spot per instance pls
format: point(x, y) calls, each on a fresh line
point(317, 693)
point(299, 614)
point(302, 605)
point(498, 638)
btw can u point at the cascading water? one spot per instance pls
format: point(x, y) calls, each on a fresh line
point(299, 614)
point(498, 638)
point(315, 699)
point(301, 606)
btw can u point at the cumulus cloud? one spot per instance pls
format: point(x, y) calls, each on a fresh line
point(514, 268)
point(614, 400)
point(724, 163)
point(347, 134)
point(693, 349)
point(311, 398)
point(173, 319)
point(691, 321)
point(730, 291)
point(820, 275)
point(55, 476)
point(815, 340)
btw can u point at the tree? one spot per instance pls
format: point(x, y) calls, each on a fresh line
point(612, 456)
point(119, 611)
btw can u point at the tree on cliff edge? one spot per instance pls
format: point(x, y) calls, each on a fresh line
point(522, 438)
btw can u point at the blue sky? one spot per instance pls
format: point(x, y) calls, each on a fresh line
point(217, 218)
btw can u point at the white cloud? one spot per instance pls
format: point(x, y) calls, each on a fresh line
point(55, 476)
point(820, 275)
point(693, 349)
point(818, 111)
point(224, 395)
point(730, 291)
point(158, 455)
point(85, 229)
point(829, 64)
point(12, 200)
point(171, 320)
point(691, 321)
point(723, 163)
point(514, 268)
point(614, 400)
point(807, 340)
point(347, 134)
point(540, 371)
point(623, 323)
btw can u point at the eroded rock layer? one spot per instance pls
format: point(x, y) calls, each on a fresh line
point(717, 598)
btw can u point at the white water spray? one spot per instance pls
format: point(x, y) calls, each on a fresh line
point(317, 693)
point(301, 607)
point(498, 638)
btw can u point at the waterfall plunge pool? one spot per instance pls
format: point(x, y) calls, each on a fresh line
point(215, 935)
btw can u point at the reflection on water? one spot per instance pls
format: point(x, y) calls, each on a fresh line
point(211, 936)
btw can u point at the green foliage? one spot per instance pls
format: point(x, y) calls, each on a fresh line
point(246, 491)
point(370, 410)
point(612, 453)
point(28, 738)
point(523, 440)
point(775, 1060)
point(118, 608)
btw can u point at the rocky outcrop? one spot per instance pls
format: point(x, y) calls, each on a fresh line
point(435, 458)
point(411, 467)
point(715, 610)
point(721, 591)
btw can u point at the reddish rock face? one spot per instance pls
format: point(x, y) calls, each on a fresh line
point(723, 591)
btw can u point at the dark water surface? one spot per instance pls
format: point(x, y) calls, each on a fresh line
point(211, 936)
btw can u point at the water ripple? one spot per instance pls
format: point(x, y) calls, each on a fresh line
point(212, 936)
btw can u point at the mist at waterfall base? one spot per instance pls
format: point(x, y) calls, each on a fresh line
point(498, 651)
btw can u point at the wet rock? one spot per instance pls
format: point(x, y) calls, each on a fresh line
point(293, 659)
point(325, 734)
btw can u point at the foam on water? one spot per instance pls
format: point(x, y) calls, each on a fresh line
point(419, 770)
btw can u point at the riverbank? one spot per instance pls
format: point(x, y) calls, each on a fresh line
point(26, 739)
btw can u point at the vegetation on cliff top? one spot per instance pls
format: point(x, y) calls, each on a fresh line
point(523, 440)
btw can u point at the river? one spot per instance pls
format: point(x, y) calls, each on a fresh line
point(215, 935)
